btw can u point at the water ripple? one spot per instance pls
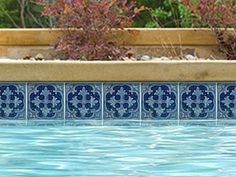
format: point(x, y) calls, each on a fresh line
point(162, 151)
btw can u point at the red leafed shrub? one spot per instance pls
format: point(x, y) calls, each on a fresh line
point(218, 15)
point(95, 19)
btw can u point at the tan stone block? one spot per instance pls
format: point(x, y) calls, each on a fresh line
point(67, 71)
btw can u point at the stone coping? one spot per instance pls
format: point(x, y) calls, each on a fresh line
point(117, 71)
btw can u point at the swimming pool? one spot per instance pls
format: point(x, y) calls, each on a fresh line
point(169, 149)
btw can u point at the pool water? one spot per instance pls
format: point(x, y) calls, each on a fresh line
point(139, 151)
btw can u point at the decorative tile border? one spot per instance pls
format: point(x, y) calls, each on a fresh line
point(226, 101)
point(159, 101)
point(197, 101)
point(12, 101)
point(83, 101)
point(121, 101)
point(106, 102)
point(45, 101)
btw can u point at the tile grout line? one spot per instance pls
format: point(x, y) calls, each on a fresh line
point(140, 103)
point(26, 103)
point(216, 97)
point(102, 100)
point(64, 102)
point(178, 102)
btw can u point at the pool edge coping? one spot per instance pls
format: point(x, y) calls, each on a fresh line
point(118, 71)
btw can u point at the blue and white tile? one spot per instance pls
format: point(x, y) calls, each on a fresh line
point(121, 101)
point(83, 101)
point(159, 101)
point(226, 101)
point(12, 101)
point(197, 101)
point(46, 101)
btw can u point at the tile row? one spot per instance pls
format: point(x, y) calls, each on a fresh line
point(115, 101)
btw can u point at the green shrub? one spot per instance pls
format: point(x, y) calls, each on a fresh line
point(163, 13)
point(159, 13)
point(22, 14)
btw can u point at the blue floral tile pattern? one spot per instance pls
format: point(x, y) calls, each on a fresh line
point(159, 101)
point(83, 101)
point(121, 101)
point(12, 101)
point(197, 101)
point(115, 101)
point(226, 101)
point(45, 101)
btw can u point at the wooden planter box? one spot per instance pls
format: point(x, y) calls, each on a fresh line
point(15, 43)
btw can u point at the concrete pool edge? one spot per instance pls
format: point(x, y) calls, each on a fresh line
point(117, 71)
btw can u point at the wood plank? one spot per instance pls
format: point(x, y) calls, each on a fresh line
point(132, 37)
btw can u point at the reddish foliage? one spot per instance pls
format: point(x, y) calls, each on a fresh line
point(216, 15)
point(213, 13)
point(96, 19)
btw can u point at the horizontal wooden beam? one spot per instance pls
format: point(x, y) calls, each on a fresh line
point(78, 71)
point(132, 37)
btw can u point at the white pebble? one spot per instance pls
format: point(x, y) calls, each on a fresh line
point(145, 58)
point(190, 57)
point(165, 58)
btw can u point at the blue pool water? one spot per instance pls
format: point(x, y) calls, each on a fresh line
point(139, 151)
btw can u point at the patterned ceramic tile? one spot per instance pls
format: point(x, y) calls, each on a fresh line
point(45, 101)
point(12, 101)
point(159, 101)
point(197, 101)
point(121, 101)
point(83, 101)
point(226, 101)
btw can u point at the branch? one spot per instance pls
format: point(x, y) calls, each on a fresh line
point(22, 12)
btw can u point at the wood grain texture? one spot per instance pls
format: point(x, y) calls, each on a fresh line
point(132, 37)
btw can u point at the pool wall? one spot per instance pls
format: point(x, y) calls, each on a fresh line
point(103, 91)
point(138, 101)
